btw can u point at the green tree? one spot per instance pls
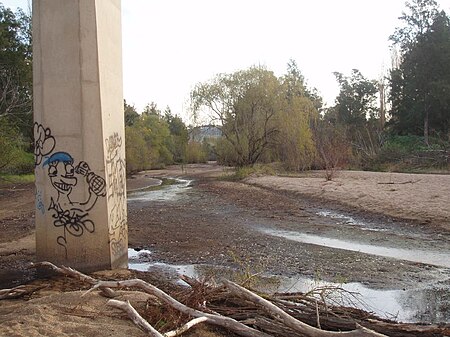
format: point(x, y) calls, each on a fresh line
point(138, 156)
point(356, 116)
point(15, 90)
point(295, 145)
point(295, 86)
point(16, 69)
point(356, 101)
point(130, 114)
point(148, 141)
point(244, 105)
point(417, 19)
point(420, 86)
point(179, 134)
point(151, 109)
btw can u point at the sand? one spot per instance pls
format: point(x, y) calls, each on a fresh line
point(422, 197)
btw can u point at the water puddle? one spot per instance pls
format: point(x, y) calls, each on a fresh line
point(427, 305)
point(169, 189)
point(421, 256)
point(350, 221)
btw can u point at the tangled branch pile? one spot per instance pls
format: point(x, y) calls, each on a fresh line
point(244, 313)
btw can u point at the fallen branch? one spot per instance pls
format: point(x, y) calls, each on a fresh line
point(135, 317)
point(222, 321)
point(185, 327)
point(18, 292)
point(232, 301)
point(147, 327)
point(293, 323)
point(400, 183)
point(105, 286)
point(107, 292)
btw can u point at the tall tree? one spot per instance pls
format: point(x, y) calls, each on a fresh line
point(356, 100)
point(417, 20)
point(420, 86)
point(15, 89)
point(130, 114)
point(179, 134)
point(295, 146)
point(356, 114)
point(244, 106)
point(15, 69)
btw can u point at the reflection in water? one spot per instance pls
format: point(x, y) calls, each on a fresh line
point(161, 193)
point(421, 256)
point(427, 305)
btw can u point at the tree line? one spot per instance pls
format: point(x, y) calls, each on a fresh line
point(401, 120)
point(154, 139)
point(403, 117)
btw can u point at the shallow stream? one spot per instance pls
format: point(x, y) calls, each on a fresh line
point(429, 303)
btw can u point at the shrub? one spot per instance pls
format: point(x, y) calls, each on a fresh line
point(196, 153)
point(13, 157)
point(409, 153)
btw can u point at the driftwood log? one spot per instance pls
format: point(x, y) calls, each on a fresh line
point(248, 314)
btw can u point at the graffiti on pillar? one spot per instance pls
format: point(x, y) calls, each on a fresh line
point(69, 213)
point(44, 142)
point(116, 193)
point(39, 203)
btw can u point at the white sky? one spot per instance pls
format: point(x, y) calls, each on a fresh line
point(170, 45)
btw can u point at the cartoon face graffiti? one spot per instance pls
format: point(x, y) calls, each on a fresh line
point(61, 172)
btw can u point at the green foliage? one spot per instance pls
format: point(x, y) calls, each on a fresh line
point(226, 155)
point(15, 92)
point(420, 86)
point(147, 143)
point(410, 154)
point(130, 114)
point(9, 179)
point(154, 140)
point(262, 118)
point(180, 136)
point(244, 104)
point(136, 150)
point(196, 153)
point(250, 272)
point(418, 18)
point(356, 100)
point(13, 157)
point(16, 70)
point(243, 172)
point(295, 146)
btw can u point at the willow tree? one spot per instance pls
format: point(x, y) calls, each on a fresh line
point(244, 105)
point(295, 145)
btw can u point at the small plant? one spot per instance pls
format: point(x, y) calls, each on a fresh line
point(410, 154)
point(7, 179)
point(243, 172)
point(250, 273)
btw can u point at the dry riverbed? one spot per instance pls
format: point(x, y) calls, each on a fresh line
point(385, 235)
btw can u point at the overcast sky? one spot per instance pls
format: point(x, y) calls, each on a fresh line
point(170, 45)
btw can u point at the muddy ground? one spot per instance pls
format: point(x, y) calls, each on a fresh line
point(216, 221)
point(251, 226)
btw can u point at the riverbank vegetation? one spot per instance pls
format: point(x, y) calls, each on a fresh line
point(399, 122)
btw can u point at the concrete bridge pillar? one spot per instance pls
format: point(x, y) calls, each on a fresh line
point(79, 134)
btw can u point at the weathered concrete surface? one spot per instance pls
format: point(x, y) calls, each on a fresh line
point(79, 134)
